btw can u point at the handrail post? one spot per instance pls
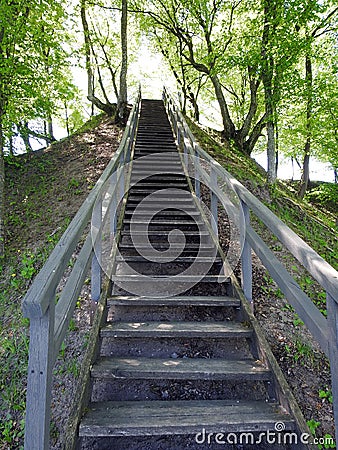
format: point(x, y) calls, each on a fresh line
point(97, 255)
point(113, 205)
point(213, 201)
point(121, 178)
point(332, 318)
point(246, 258)
point(185, 147)
point(178, 138)
point(39, 383)
point(197, 175)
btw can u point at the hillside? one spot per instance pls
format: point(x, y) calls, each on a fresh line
point(44, 192)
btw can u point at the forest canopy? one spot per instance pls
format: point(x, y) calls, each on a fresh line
point(269, 68)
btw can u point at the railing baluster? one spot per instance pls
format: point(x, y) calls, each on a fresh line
point(113, 206)
point(332, 318)
point(185, 148)
point(197, 174)
point(97, 255)
point(121, 178)
point(178, 133)
point(246, 258)
point(213, 201)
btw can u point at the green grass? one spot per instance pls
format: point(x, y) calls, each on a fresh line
point(311, 221)
point(40, 198)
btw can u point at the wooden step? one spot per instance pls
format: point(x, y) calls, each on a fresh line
point(145, 418)
point(184, 202)
point(173, 182)
point(166, 232)
point(163, 224)
point(160, 213)
point(169, 280)
point(180, 369)
point(187, 300)
point(160, 160)
point(164, 259)
point(210, 330)
point(159, 194)
point(146, 251)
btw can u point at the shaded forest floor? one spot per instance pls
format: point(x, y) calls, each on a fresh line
point(44, 192)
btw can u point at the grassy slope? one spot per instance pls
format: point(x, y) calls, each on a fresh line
point(314, 223)
point(305, 367)
point(43, 194)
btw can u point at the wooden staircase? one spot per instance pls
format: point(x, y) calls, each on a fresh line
point(179, 351)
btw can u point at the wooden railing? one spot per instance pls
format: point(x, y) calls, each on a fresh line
point(49, 320)
point(324, 330)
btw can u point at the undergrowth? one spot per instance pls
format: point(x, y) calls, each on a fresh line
point(43, 192)
point(314, 219)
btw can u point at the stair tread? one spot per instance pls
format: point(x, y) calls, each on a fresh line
point(176, 329)
point(163, 212)
point(181, 416)
point(162, 221)
point(175, 301)
point(179, 368)
point(164, 259)
point(188, 246)
point(170, 278)
point(165, 233)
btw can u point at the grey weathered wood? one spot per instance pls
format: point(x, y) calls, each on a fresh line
point(309, 313)
point(165, 233)
point(39, 383)
point(171, 279)
point(246, 258)
point(113, 205)
point(179, 259)
point(213, 202)
point(195, 300)
point(39, 305)
point(97, 251)
point(180, 417)
point(325, 274)
point(41, 292)
point(176, 329)
point(70, 294)
point(82, 394)
point(180, 368)
point(284, 395)
point(197, 171)
point(332, 318)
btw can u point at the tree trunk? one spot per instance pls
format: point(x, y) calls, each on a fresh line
point(109, 109)
point(304, 182)
point(271, 152)
point(24, 132)
point(267, 77)
point(50, 129)
point(195, 106)
point(122, 100)
point(228, 125)
point(2, 190)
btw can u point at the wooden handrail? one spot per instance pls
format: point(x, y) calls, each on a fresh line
point(49, 322)
point(324, 330)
